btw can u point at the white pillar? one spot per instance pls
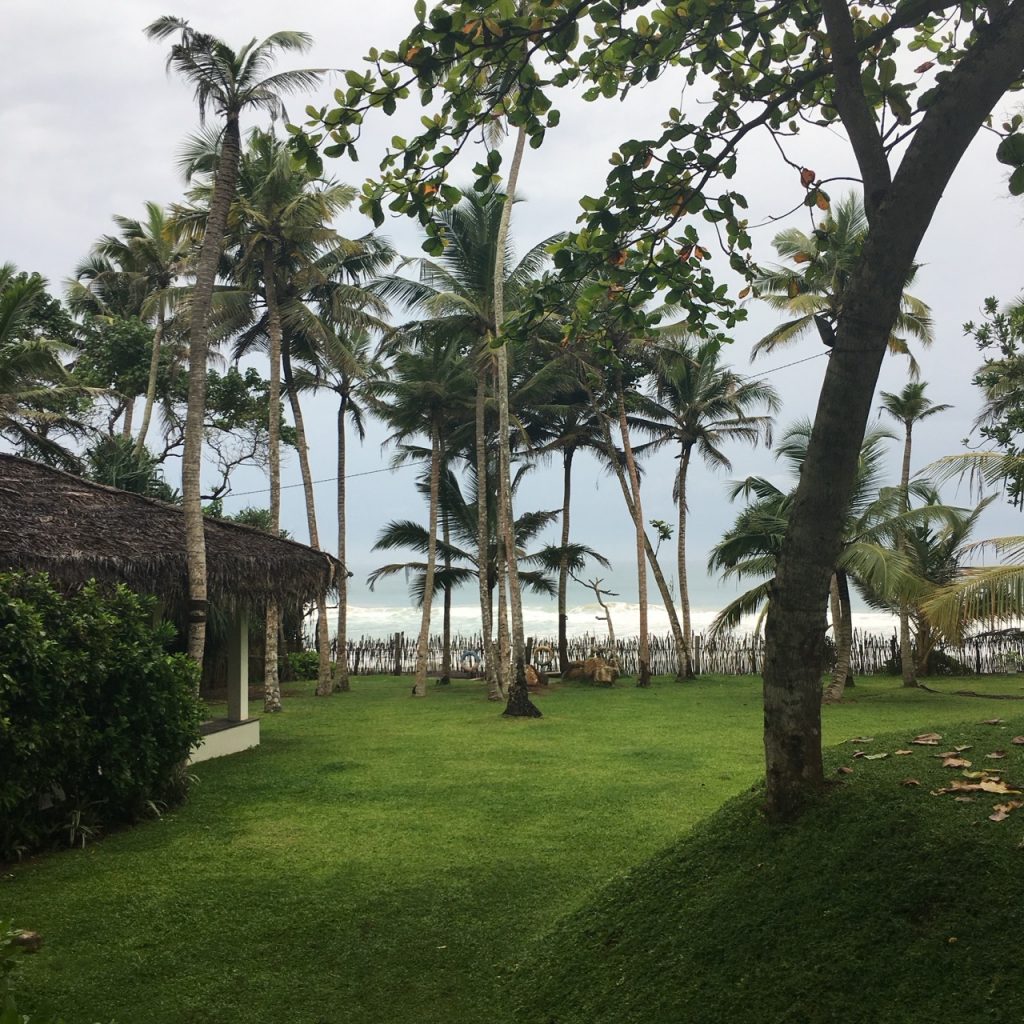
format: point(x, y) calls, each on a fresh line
point(238, 667)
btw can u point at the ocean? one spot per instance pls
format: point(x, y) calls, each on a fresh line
point(376, 622)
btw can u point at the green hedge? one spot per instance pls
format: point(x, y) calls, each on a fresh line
point(96, 718)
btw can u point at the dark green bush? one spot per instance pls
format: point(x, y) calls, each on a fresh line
point(96, 718)
point(303, 664)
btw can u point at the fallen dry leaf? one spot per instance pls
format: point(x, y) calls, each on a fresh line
point(997, 755)
point(996, 786)
point(998, 815)
point(1018, 741)
point(992, 721)
point(901, 752)
point(909, 782)
point(862, 739)
point(980, 775)
point(860, 753)
point(956, 762)
point(964, 799)
point(844, 770)
point(927, 739)
point(874, 757)
point(948, 753)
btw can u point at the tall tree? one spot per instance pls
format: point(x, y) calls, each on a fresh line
point(454, 296)
point(416, 399)
point(669, 199)
point(226, 83)
point(909, 407)
point(699, 404)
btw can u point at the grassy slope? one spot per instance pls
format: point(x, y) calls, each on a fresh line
point(885, 904)
point(380, 859)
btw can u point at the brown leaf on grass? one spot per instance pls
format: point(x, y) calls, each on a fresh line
point(956, 762)
point(862, 739)
point(860, 753)
point(948, 753)
point(996, 786)
point(960, 750)
point(902, 752)
point(909, 782)
point(874, 757)
point(844, 769)
point(999, 814)
point(992, 721)
point(980, 775)
point(927, 739)
point(1018, 741)
point(996, 755)
point(964, 799)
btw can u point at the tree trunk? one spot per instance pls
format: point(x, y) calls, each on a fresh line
point(684, 589)
point(341, 680)
point(129, 416)
point(519, 704)
point(644, 652)
point(843, 632)
point(271, 682)
point(563, 564)
point(446, 623)
point(504, 642)
point(151, 381)
point(198, 355)
point(483, 536)
point(324, 685)
point(420, 686)
point(906, 649)
point(899, 212)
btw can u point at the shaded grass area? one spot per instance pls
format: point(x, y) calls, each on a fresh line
point(381, 860)
point(887, 902)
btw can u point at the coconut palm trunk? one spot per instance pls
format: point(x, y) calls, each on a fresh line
point(519, 703)
point(446, 619)
point(151, 382)
point(684, 587)
point(271, 681)
point(324, 687)
point(341, 680)
point(420, 685)
point(198, 356)
point(644, 653)
point(906, 648)
point(844, 641)
point(483, 541)
point(563, 564)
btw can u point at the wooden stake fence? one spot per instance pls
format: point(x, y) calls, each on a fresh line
point(873, 654)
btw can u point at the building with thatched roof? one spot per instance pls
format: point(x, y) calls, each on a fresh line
point(76, 530)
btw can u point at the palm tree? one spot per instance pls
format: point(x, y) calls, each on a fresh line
point(699, 404)
point(910, 406)
point(226, 82)
point(455, 297)
point(133, 274)
point(874, 520)
point(416, 399)
point(33, 380)
point(812, 294)
point(343, 362)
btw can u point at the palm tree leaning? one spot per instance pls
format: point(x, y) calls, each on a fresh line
point(910, 406)
point(697, 403)
point(227, 83)
point(812, 293)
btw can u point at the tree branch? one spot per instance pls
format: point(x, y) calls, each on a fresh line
point(853, 107)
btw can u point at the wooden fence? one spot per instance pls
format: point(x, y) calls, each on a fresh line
point(873, 653)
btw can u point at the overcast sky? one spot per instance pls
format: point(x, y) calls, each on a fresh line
point(91, 126)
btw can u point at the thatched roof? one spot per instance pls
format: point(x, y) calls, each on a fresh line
point(73, 529)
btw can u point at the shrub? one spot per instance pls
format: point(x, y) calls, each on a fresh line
point(96, 718)
point(303, 664)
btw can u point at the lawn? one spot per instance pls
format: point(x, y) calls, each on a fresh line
point(381, 860)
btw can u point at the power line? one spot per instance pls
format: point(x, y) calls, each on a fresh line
point(390, 469)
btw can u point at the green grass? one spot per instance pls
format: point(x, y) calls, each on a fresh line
point(380, 860)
